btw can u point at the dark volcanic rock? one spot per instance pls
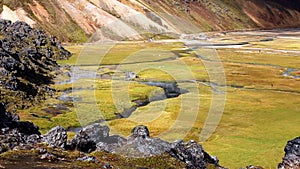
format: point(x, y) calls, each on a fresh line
point(27, 60)
point(291, 159)
point(87, 138)
point(140, 132)
point(9, 122)
point(87, 159)
point(13, 139)
point(56, 137)
point(27, 66)
point(140, 144)
point(192, 154)
point(111, 144)
point(15, 134)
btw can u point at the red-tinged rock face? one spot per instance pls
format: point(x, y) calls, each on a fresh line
point(76, 20)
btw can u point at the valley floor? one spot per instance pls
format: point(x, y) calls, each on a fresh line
point(241, 98)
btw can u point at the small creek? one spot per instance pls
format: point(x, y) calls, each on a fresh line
point(289, 71)
point(171, 90)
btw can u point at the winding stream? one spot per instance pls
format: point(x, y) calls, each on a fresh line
point(171, 90)
point(289, 71)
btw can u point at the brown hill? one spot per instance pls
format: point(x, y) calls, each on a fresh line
point(76, 20)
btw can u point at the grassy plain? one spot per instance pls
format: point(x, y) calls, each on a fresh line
point(262, 106)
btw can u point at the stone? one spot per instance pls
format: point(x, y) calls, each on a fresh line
point(25, 127)
point(3, 148)
point(140, 144)
point(87, 138)
point(48, 156)
point(140, 132)
point(110, 144)
point(107, 166)
point(130, 76)
point(90, 159)
point(9, 121)
point(56, 137)
point(192, 154)
point(291, 159)
point(27, 59)
point(15, 134)
point(33, 139)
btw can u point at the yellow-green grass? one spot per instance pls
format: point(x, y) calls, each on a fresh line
point(256, 123)
point(75, 50)
point(110, 101)
point(279, 44)
point(106, 108)
point(46, 121)
point(255, 128)
point(260, 77)
point(296, 73)
point(114, 53)
point(160, 116)
point(251, 56)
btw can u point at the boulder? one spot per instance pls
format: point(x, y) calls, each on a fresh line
point(56, 137)
point(193, 155)
point(291, 159)
point(13, 139)
point(87, 138)
point(140, 144)
point(140, 132)
point(110, 144)
point(90, 159)
point(15, 134)
point(9, 122)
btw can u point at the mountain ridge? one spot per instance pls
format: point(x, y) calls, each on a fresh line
point(77, 20)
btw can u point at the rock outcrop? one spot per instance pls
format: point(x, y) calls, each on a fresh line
point(15, 134)
point(87, 138)
point(27, 63)
point(27, 66)
point(192, 154)
point(291, 159)
point(140, 145)
point(56, 137)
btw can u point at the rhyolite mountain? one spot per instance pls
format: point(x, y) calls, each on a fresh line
point(77, 20)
